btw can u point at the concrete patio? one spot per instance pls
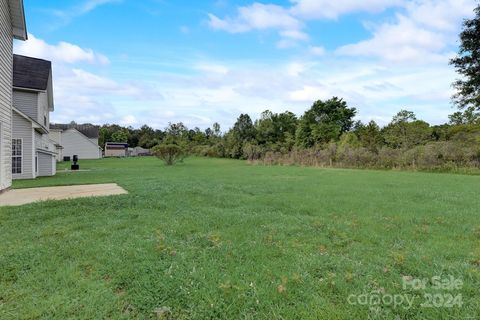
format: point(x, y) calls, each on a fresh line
point(18, 197)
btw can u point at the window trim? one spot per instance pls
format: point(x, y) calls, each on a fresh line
point(16, 156)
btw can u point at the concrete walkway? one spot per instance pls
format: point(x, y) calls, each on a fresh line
point(18, 197)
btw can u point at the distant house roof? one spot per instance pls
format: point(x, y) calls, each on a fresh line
point(17, 14)
point(31, 73)
point(89, 130)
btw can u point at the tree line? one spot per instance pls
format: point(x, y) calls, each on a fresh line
point(327, 134)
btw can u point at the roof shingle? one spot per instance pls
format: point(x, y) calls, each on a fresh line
point(31, 73)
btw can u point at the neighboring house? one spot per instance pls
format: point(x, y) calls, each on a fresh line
point(55, 137)
point(138, 152)
point(33, 154)
point(12, 25)
point(116, 149)
point(76, 139)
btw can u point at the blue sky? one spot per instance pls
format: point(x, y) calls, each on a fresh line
point(158, 61)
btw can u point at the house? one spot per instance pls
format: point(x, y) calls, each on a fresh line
point(12, 25)
point(76, 139)
point(55, 137)
point(116, 149)
point(33, 154)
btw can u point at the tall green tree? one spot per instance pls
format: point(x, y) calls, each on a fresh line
point(469, 116)
point(467, 64)
point(106, 133)
point(121, 135)
point(147, 137)
point(405, 131)
point(276, 130)
point(243, 131)
point(324, 122)
point(216, 129)
point(176, 133)
point(369, 135)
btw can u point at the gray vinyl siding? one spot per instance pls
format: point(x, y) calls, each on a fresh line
point(27, 102)
point(43, 112)
point(22, 129)
point(56, 137)
point(42, 142)
point(6, 66)
point(46, 164)
point(75, 143)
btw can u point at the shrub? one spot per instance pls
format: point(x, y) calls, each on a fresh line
point(252, 151)
point(169, 153)
point(388, 158)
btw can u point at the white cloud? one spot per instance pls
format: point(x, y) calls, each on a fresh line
point(289, 20)
point(309, 93)
point(328, 9)
point(129, 120)
point(400, 41)
point(318, 51)
point(260, 16)
point(444, 15)
point(63, 52)
point(378, 89)
point(81, 95)
point(81, 9)
point(424, 33)
point(91, 5)
point(85, 81)
point(286, 43)
point(421, 30)
point(256, 17)
point(212, 68)
point(296, 69)
point(294, 34)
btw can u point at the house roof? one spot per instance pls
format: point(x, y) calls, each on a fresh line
point(31, 73)
point(116, 145)
point(88, 130)
point(17, 15)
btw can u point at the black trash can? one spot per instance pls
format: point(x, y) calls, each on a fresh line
point(75, 166)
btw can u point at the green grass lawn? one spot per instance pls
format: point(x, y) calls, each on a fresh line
point(213, 238)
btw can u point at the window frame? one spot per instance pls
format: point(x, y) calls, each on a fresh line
point(16, 156)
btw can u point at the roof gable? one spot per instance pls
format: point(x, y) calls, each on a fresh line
point(80, 134)
point(31, 73)
point(88, 130)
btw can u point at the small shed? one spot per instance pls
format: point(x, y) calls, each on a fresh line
point(116, 149)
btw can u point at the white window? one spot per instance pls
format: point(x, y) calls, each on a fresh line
point(16, 156)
